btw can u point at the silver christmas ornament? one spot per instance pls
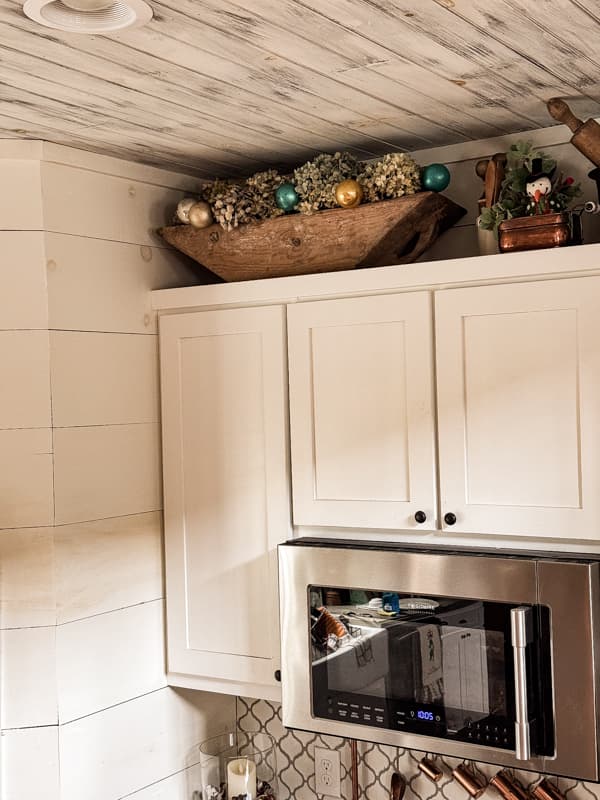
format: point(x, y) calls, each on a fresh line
point(183, 209)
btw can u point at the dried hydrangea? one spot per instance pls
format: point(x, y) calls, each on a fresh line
point(393, 175)
point(261, 193)
point(236, 204)
point(232, 207)
point(214, 189)
point(316, 180)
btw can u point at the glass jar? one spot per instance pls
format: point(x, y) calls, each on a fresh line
point(238, 766)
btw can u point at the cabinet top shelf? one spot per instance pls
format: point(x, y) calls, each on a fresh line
point(501, 268)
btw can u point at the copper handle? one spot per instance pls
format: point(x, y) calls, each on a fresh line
point(354, 767)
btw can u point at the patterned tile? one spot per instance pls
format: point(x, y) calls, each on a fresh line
point(376, 763)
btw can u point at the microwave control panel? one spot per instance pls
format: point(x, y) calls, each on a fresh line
point(412, 718)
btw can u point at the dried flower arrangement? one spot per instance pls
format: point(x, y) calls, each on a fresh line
point(316, 180)
point(234, 204)
point(394, 175)
point(313, 186)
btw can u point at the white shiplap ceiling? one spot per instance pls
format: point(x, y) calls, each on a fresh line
point(219, 87)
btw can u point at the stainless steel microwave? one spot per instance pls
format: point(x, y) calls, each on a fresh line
point(487, 656)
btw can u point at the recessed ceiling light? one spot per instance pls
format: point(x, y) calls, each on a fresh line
point(89, 16)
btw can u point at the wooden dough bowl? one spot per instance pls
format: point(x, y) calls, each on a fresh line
point(371, 235)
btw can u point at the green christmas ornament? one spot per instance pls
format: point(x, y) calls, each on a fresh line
point(286, 197)
point(435, 177)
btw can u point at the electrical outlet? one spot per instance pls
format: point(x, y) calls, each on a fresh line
point(327, 772)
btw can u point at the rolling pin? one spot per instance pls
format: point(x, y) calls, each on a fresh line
point(586, 135)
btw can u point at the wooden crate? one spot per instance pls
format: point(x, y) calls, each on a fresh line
point(371, 235)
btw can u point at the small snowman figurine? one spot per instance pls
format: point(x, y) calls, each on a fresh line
point(539, 190)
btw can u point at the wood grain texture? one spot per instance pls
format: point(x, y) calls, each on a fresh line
point(218, 88)
point(372, 235)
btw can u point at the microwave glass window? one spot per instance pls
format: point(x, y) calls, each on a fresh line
point(437, 666)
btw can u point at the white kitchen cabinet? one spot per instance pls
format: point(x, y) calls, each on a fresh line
point(518, 410)
point(224, 413)
point(518, 379)
point(460, 372)
point(361, 412)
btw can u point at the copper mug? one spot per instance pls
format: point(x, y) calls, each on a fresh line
point(508, 787)
point(430, 769)
point(469, 781)
point(545, 790)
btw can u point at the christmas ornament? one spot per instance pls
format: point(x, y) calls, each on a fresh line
point(183, 209)
point(286, 197)
point(348, 194)
point(539, 190)
point(200, 215)
point(435, 177)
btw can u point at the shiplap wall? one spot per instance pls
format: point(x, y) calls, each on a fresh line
point(85, 710)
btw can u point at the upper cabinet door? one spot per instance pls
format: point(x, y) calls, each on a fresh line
point(224, 396)
point(518, 372)
point(361, 412)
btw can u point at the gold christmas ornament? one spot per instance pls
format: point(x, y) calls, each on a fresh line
point(348, 194)
point(200, 215)
point(183, 209)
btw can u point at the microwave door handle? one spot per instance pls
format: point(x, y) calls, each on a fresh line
point(521, 636)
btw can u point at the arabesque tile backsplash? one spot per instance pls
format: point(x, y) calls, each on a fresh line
point(375, 766)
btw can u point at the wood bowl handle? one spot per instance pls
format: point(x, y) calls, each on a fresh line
point(561, 112)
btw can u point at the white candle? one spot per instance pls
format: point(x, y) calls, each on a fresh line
point(241, 778)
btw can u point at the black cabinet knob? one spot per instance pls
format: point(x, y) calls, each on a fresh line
point(277, 675)
point(449, 518)
point(420, 517)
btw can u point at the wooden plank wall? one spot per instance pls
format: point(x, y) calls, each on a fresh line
point(220, 88)
point(85, 710)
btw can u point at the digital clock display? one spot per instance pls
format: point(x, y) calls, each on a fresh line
point(425, 715)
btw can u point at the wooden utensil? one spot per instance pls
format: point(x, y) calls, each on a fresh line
point(586, 135)
point(494, 175)
point(398, 786)
point(480, 170)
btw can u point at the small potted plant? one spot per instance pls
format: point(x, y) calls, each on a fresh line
point(531, 210)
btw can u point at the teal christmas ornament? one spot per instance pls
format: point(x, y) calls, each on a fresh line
point(286, 197)
point(435, 177)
